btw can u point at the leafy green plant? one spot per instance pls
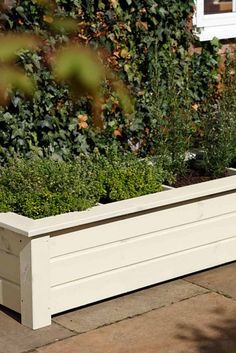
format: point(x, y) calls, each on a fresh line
point(218, 135)
point(130, 33)
point(169, 133)
point(40, 187)
point(218, 121)
point(126, 176)
point(43, 187)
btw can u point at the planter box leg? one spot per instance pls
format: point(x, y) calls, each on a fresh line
point(35, 283)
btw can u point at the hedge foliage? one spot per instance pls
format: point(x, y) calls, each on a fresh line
point(149, 44)
point(40, 187)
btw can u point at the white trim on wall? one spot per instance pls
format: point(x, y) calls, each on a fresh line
point(222, 25)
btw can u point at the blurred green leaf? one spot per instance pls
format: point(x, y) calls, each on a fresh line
point(49, 5)
point(10, 44)
point(14, 78)
point(80, 67)
point(64, 25)
point(124, 97)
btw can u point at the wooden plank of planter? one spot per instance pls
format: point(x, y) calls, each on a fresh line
point(11, 242)
point(10, 295)
point(121, 229)
point(81, 264)
point(35, 283)
point(9, 267)
point(126, 279)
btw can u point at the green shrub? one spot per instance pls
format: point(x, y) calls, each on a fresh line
point(42, 187)
point(126, 176)
point(218, 121)
point(171, 110)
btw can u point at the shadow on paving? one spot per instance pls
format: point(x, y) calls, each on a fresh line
point(11, 313)
point(219, 337)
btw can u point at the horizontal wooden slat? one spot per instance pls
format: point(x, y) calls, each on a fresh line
point(120, 281)
point(109, 257)
point(130, 227)
point(11, 242)
point(10, 295)
point(9, 267)
point(139, 204)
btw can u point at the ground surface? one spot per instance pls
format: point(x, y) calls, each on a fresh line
point(195, 314)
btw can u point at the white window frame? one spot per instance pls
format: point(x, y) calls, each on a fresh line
point(222, 25)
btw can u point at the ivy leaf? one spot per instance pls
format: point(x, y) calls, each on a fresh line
point(162, 12)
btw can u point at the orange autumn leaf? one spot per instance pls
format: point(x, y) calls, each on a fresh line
point(114, 3)
point(142, 25)
point(195, 106)
point(82, 118)
point(82, 121)
point(83, 125)
point(48, 19)
point(117, 132)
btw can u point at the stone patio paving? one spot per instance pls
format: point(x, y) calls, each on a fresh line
point(195, 314)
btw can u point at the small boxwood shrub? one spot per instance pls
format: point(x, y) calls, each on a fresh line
point(126, 176)
point(43, 187)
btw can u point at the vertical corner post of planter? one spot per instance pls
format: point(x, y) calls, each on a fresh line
point(35, 283)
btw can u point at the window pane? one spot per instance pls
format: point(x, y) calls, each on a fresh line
point(217, 6)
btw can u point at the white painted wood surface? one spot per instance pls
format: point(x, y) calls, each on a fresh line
point(11, 242)
point(108, 232)
point(9, 267)
point(10, 295)
point(123, 280)
point(105, 258)
point(35, 283)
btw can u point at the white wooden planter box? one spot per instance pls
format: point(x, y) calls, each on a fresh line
point(57, 263)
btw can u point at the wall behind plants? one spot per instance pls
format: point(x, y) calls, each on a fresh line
point(148, 43)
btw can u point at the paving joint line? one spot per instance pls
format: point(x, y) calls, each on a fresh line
point(75, 333)
point(212, 290)
point(140, 314)
point(136, 315)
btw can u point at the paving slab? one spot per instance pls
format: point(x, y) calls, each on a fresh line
point(202, 324)
point(120, 308)
point(221, 279)
point(16, 338)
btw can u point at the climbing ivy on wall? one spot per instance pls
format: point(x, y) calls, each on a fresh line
point(149, 44)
